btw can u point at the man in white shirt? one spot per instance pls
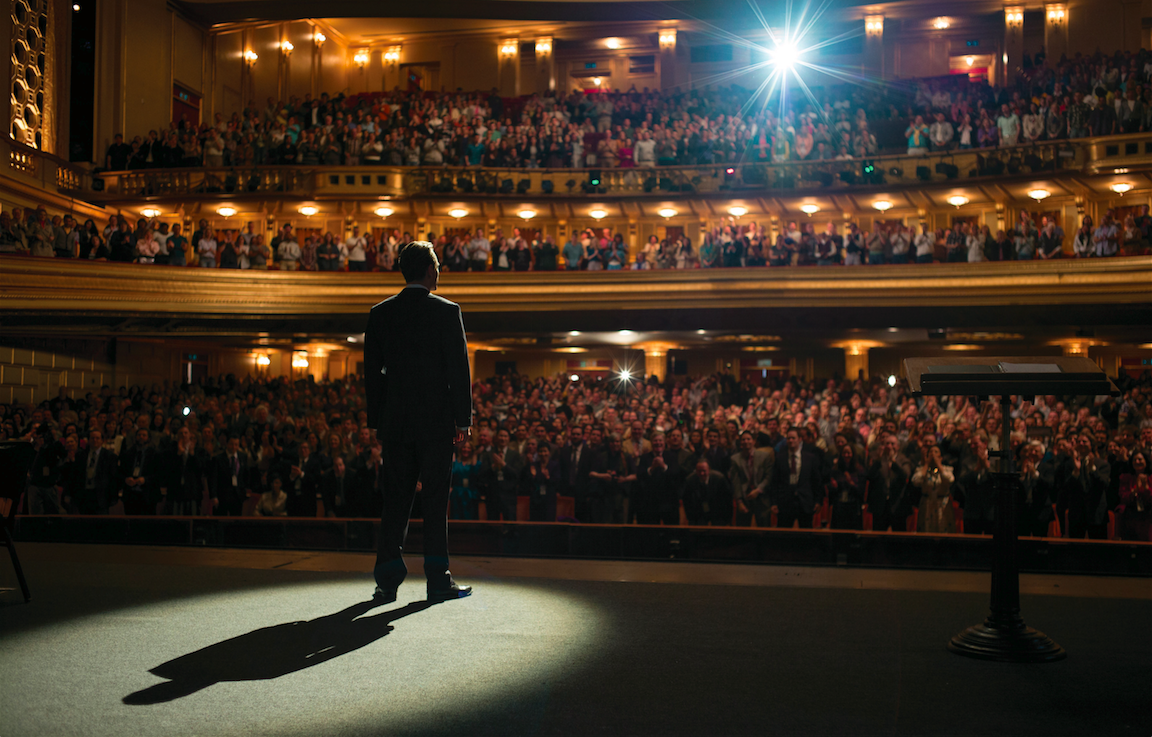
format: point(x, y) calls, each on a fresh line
point(289, 253)
point(353, 249)
point(478, 250)
point(645, 150)
point(940, 132)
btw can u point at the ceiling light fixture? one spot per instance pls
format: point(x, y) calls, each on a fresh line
point(612, 43)
point(458, 212)
point(383, 211)
point(226, 211)
point(940, 24)
point(737, 211)
point(150, 212)
point(958, 201)
point(309, 210)
point(1039, 194)
point(666, 212)
point(598, 214)
point(1121, 187)
point(882, 205)
point(809, 209)
point(527, 214)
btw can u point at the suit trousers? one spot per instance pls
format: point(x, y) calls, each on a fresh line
point(410, 457)
point(792, 513)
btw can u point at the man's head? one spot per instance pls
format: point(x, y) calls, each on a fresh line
point(419, 265)
point(95, 440)
point(793, 439)
point(702, 469)
point(747, 444)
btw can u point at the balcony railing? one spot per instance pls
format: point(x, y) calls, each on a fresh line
point(1091, 155)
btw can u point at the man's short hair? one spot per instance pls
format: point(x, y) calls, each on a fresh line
point(415, 258)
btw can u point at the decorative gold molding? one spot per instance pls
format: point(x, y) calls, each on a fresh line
point(31, 286)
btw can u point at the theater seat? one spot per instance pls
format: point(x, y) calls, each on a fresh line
point(1112, 526)
point(867, 518)
point(522, 509)
point(910, 523)
point(1054, 525)
point(959, 514)
point(683, 514)
point(565, 506)
point(825, 513)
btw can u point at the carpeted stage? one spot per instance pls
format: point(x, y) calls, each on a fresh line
point(132, 640)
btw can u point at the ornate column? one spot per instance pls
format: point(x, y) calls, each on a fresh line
point(656, 358)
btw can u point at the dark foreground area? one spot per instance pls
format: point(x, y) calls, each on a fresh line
point(148, 641)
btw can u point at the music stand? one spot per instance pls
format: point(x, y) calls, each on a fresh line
point(1004, 636)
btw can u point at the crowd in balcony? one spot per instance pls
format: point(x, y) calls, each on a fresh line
point(1084, 96)
point(708, 450)
point(730, 245)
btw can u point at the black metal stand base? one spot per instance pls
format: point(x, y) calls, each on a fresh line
point(1013, 644)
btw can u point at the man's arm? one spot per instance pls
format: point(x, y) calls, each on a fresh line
point(459, 375)
point(374, 381)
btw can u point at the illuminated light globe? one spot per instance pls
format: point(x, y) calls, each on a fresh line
point(527, 214)
point(958, 200)
point(882, 205)
point(574, 377)
point(598, 214)
point(1121, 187)
point(737, 211)
point(458, 212)
point(809, 209)
point(308, 210)
point(1039, 194)
point(383, 211)
point(226, 211)
point(891, 380)
point(150, 212)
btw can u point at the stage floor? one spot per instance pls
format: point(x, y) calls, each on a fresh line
point(133, 640)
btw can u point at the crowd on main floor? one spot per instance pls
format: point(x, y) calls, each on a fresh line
point(709, 450)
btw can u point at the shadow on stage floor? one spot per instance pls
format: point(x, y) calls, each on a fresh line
point(271, 652)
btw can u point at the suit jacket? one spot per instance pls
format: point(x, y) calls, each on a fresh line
point(416, 366)
point(338, 499)
point(223, 472)
point(807, 492)
point(149, 471)
point(492, 482)
point(576, 479)
point(891, 496)
point(661, 485)
point(763, 460)
point(106, 482)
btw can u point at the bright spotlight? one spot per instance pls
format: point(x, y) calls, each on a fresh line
point(625, 375)
point(187, 410)
point(785, 55)
point(891, 380)
point(574, 377)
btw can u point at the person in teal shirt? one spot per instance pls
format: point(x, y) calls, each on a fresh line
point(572, 253)
point(917, 134)
point(464, 500)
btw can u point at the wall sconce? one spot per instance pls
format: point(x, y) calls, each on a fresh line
point(873, 25)
point(543, 46)
point(392, 55)
point(262, 360)
point(319, 38)
point(1014, 16)
point(1056, 14)
point(668, 38)
point(509, 47)
point(940, 24)
point(361, 58)
point(300, 360)
point(250, 57)
point(286, 47)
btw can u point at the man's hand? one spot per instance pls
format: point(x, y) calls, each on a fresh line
point(743, 507)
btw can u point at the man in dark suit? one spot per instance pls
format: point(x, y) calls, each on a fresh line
point(97, 489)
point(796, 484)
point(500, 471)
point(707, 496)
point(138, 471)
point(233, 479)
point(660, 480)
point(336, 490)
point(419, 392)
point(575, 464)
point(887, 484)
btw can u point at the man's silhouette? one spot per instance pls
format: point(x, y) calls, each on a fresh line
point(419, 392)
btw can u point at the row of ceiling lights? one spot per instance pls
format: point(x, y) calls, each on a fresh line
point(599, 213)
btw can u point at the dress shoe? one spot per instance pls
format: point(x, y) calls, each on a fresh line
point(380, 596)
point(447, 593)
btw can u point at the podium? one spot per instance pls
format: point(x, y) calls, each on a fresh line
point(1004, 636)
